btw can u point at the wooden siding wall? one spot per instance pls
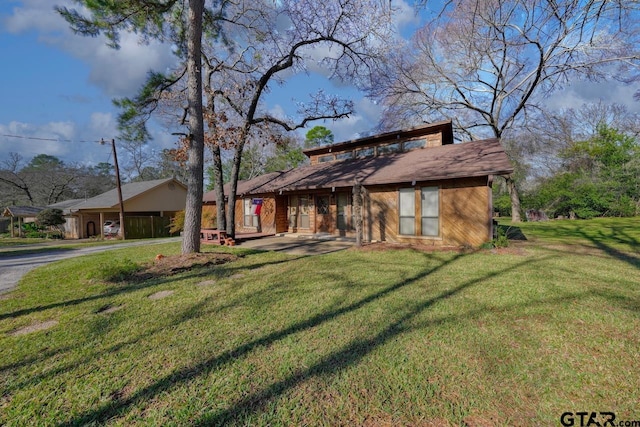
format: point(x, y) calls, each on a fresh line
point(465, 217)
point(268, 215)
point(381, 214)
point(466, 212)
point(210, 210)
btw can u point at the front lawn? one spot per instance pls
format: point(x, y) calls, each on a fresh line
point(513, 336)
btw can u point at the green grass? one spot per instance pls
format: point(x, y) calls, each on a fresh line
point(25, 246)
point(398, 337)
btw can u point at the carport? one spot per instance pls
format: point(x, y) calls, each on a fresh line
point(22, 214)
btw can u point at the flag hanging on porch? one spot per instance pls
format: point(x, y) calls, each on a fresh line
point(256, 206)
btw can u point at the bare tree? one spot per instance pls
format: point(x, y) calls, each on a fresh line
point(44, 180)
point(344, 38)
point(488, 64)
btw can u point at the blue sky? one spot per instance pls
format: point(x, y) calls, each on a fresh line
point(57, 85)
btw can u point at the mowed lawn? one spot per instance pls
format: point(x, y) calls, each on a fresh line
point(514, 336)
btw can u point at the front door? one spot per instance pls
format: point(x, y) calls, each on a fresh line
point(323, 214)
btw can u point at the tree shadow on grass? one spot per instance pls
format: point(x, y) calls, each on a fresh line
point(511, 232)
point(188, 314)
point(618, 235)
point(349, 355)
point(136, 285)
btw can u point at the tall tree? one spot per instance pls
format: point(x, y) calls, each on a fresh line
point(178, 21)
point(317, 136)
point(488, 64)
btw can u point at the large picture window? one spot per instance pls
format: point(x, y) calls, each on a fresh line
point(407, 211)
point(428, 212)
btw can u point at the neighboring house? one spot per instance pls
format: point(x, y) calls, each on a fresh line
point(417, 186)
point(148, 209)
point(20, 215)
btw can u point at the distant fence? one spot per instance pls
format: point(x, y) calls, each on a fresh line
point(144, 227)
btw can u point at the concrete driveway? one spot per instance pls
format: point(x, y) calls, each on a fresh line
point(13, 267)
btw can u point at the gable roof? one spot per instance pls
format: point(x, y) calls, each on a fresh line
point(469, 159)
point(109, 199)
point(22, 211)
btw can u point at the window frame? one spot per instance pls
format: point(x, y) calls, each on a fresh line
point(414, 215)
point(249, 220)
point(434, 205)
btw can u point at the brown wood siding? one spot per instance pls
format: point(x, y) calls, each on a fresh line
point(239, 217)
point(464, 213)
point(268, 215)
point(381, 214)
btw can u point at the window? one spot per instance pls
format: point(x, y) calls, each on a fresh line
point(342, 201)
point(323, 205)
point(293, 211)
point(250, 219)
point(304, 211)
point(429, 211)
point(365, 152)
point(390, 148)
point(327, 158)
point(344, 155)
point(412, 145)
point(407, 211)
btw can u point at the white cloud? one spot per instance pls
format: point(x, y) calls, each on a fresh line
point(361, 123)
point(27, 140)
point(404, 14)
point(609, 92)
point(278, 112)
point(117, 72)
point(36, 15)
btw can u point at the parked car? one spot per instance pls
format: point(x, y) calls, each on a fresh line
point(111, 227)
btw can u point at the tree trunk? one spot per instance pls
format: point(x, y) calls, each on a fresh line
point(195, 149)
point(221, 212)
point(235, 173)
point(515, 199)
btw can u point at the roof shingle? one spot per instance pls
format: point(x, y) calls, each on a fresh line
point(469, 159)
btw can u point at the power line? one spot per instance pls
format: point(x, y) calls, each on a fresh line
point(34, 138)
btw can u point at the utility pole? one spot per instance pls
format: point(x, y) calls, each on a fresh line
point(118, 185)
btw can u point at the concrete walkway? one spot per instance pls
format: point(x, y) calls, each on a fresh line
point(13, 267)
point(300, 244)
